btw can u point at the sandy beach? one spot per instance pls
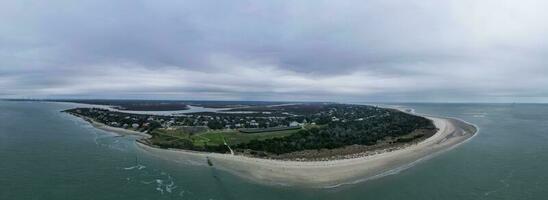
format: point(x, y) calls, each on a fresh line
point(120, 131)
point(115, 130)
point(451, 133)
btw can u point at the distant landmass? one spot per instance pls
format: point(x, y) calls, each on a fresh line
point(312, 143)
point(160, 105)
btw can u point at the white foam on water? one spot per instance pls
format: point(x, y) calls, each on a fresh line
point(163, 182)
point(138, 167)
point(160, 190)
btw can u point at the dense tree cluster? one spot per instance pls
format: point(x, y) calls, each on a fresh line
point(342, 133)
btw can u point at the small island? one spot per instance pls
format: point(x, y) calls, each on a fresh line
point(264, 141)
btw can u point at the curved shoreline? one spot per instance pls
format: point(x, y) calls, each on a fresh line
point(120, 131)
point(332, 173)
point(107, 128)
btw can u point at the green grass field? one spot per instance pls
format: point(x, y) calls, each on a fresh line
point(214, 137)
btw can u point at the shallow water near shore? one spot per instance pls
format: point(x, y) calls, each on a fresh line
point(47, 154)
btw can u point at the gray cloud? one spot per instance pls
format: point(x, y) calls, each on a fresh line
point(275, 50)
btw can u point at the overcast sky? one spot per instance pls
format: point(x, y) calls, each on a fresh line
point(358, 50)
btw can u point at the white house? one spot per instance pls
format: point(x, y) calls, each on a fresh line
point(294, 123)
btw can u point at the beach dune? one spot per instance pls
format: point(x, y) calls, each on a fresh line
point(451, 132)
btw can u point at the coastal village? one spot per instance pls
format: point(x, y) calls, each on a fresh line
point(141, 122)
point(237, 120)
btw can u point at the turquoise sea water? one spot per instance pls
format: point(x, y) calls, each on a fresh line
point(46, 154)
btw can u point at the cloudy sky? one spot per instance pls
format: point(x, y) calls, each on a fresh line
point(356, 50)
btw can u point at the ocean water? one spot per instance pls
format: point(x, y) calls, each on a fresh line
point(46, 154)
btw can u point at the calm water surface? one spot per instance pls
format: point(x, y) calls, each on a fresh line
point(46, 154)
